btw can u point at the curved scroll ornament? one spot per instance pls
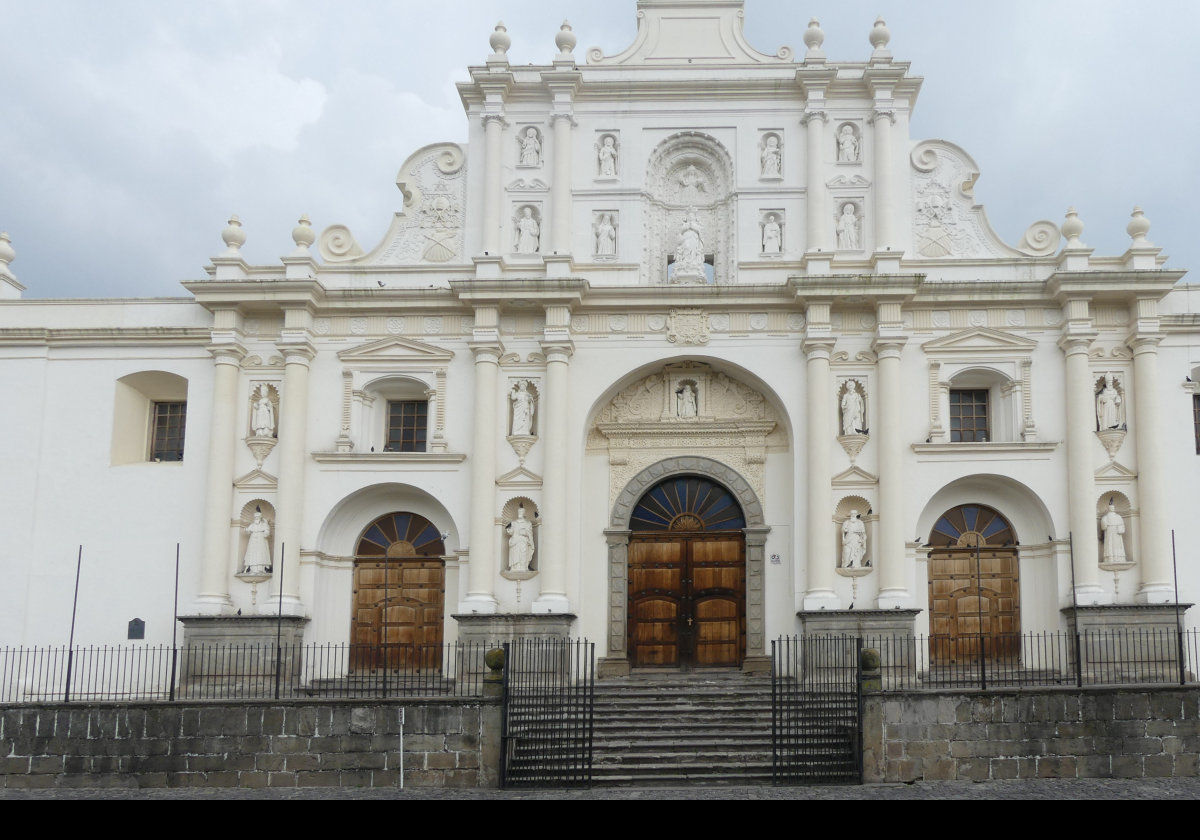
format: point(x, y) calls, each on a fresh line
point(337, 244)
point(1041, 239)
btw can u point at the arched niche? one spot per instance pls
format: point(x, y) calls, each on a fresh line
point(346, 521)
point(1129, 521)
point(1020, 505)
point(134, 403)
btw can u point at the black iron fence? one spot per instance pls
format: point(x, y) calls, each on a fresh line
point(239, 672)
point(548, 713)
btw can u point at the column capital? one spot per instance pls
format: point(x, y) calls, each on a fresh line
point(559, 115)
point(883, 114)
point(227, 352)
point(889, 347)
point(1073, 343)
point(617, 536)
point(558, 347)
point(818, 347)
point(296, 350)
point(1144, 343)
point(809, 116)
point(493, 116)
point(486, 350)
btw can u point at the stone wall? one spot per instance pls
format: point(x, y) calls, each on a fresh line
point(447, 743)
point(1050, 733)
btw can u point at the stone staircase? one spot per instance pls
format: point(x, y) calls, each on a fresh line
point(707, 727)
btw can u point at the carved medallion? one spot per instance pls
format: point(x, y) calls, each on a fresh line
point(687, 326)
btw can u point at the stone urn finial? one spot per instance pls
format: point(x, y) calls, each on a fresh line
point(1072, 228)
point(565, 40)
point(814, 37)
point(303, 236)
point(879, 38)
point(1137, 229)
point(233, 236)
point(500, 41)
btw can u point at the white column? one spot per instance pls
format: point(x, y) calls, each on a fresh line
point(820, 440)
point(292, 447)
point(1081, 476)
point(890, 552)
point(1155, 537)
point(562, 184)
point(480, 596)
point(817, 208)
point(213, 598)
point(554, 434)
point(884, 229)
point(493, 125)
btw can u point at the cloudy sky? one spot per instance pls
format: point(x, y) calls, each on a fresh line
point(131, 129)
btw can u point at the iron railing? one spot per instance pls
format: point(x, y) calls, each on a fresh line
point(548, 713)
point(816, 710)
point(239, 672)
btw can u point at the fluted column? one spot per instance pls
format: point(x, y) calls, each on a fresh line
point(493, 125)
point(817, 209)
point(819, 421)
point(1081, 476)
point(554, 433)
point(213, 598)
point(297, 353)
point(561, 197)
point(884, 227)
point(888, 428)
point(480, 597)
point(1155, 540)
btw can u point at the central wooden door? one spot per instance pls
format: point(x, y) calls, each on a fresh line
point(687, 600)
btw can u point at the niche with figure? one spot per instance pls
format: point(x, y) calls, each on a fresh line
point(527, 229)
point(1115, 520)
point(849, 143)
point(529, 147)
point(1110, 403)
point(770, 156)
point(519, 543)
point(608, 152)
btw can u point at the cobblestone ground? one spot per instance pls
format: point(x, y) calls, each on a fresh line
point(1030, 789)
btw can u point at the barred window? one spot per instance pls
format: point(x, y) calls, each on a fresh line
point(969, 416)
point(406, 426)
point(166, 431)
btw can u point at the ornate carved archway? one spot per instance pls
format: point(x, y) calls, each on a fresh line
point(619, 531)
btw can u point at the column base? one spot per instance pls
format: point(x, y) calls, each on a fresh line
point(1092, 595)
point(894, 599)
point(1155, 594)
point(821, 599)
point(552, 604)
point(898, 622)
point(236, 654)
point(478, 605)
point(288, 605)
point(213, 605)
point(1126, 642)
point(497, 628)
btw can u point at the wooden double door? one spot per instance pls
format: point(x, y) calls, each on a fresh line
point(974, 600)
point(687, 600)
point(397, 613)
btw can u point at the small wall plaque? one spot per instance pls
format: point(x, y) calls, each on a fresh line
point(137, 629)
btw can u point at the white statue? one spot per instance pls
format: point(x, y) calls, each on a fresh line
point(772, 236)
point(852, 411)
point(522, 409)
point(685, 402)
point(847, 145)
point(528, 232)
point(772, 158)
point(847, 229)
point(262, 417)
point(692, 182)
point(689, 250)
point(854, 542)
point(520, 542)
point(607, 154)
point(1108, 406)
point(606, 236)
point(531, 148)
point(1112, 528)
point(258, 551)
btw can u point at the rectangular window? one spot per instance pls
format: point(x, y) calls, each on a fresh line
point(969, 416)
point(166, 431)
point(406, 424)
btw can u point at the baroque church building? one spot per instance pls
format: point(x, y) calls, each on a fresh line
point(690, 346)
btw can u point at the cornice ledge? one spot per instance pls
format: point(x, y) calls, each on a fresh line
point(366, 458)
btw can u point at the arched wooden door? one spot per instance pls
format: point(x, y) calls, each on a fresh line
point(687, 576)
point(399, 594)
point(974, 587)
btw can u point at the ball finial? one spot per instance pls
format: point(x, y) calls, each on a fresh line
point(233, 236)
point(1072, 227)
point(1137, 229)
point(500, 41)
point(814, 37)
point(880, 36)
point(565, 40)
point(302, 235)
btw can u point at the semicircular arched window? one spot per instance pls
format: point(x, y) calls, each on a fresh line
point(401, 535)
point(967, 526)
point(687, 503)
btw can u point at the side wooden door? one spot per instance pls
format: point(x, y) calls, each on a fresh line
point(397, 613)
point(967, 604)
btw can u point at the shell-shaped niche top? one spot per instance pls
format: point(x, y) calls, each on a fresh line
point(430, 227)
point(949, 223)
point(697, 32)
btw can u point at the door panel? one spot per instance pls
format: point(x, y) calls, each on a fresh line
point(970, 602)
point(397, 615)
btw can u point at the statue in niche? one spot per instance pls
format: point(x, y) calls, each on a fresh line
point(528, 232)
point(847, 229)
point(262, 417)
point(848, 147)
point(606, 236)
point(685, 402)
point(1108, 406)
point(257, 560)
point(854, 542)
point(772, 236)
point(522, 409)
point(853, 421)
point(772, 158)
point(692, 182)
point(531, 148)
point(606, 153)
point(689, 250)
point(1112, 531)
point(520, 542)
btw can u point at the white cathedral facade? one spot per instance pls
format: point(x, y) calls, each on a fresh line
point(688, 347)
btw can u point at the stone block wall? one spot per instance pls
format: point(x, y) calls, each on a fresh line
point(447, 743)
point(1050, 733)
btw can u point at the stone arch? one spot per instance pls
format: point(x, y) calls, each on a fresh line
point(346, 520)
point(687, 465)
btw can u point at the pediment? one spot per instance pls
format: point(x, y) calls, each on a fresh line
point(520, 478)
point(979, 340)
point(1115, 470)
point(856, 476)
point(395, 350)
point(256, 481)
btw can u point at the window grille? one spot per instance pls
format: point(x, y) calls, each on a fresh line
point(406, 426)
point(969, 416)
point(166, 431)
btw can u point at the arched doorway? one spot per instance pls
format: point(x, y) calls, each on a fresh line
point(399, 594)
point(687, 576)
point(974, 587)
